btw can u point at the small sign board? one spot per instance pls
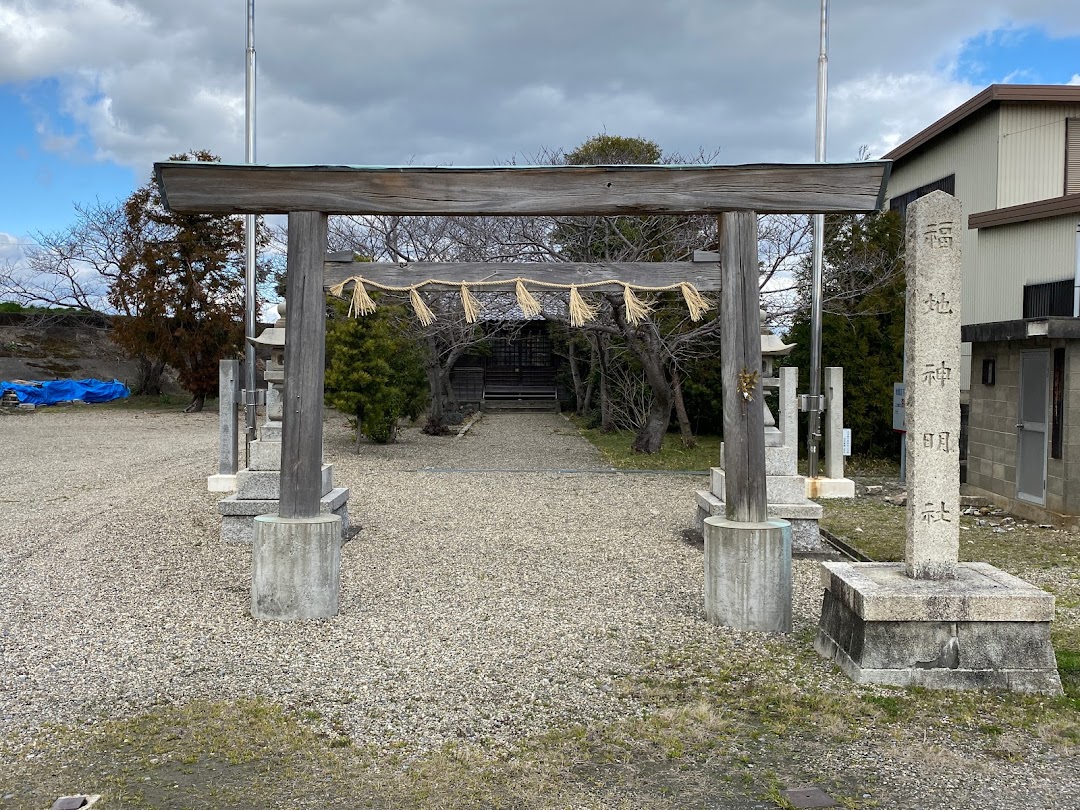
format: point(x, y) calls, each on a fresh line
point(847, 441)
point(899, 415)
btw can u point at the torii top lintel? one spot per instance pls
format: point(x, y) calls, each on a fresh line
point(223, 188)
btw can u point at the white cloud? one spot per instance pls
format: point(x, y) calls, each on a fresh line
point(11, 247)
point(474, 81)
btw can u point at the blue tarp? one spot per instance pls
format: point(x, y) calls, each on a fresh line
point(53, 391)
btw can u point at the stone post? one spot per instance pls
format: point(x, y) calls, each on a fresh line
point(789, 405)
point(834, 422)
point(932, 386)
point(228, 435)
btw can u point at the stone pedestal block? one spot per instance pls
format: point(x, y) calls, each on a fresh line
point(264, 454)
point(221, 483)
point(983, 629)
point(830, 488)
point(748, 574)
point(296, 567)
point(237, 513)
point(804, 518)
point(266, 484)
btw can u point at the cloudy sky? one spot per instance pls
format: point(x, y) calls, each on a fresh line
point(93, 91)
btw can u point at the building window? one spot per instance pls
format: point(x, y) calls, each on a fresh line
point(1057, 405)
point(989, 371)
point(1050, 299)
point(1072, 155)
point(901, 202)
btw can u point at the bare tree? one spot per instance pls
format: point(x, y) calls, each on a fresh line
point(75, 266)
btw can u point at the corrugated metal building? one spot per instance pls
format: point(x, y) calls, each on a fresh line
point(1011, 155)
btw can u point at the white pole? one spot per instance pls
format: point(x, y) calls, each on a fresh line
point(814, 400)
point(250, 381)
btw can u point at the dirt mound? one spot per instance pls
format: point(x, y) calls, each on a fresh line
point(46, 347)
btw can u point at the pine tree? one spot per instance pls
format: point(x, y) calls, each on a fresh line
point(374, 371)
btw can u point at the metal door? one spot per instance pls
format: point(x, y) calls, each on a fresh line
point(1031, 426)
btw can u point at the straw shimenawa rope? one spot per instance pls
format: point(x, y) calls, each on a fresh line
point(581, 312)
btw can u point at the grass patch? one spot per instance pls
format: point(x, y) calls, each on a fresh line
point(615, 447)
point(878, 529)
point(873, 526)
point(716, 723)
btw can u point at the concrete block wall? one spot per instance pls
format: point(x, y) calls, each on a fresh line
point(1066, 471)
point(991, 461)
point(992, 438)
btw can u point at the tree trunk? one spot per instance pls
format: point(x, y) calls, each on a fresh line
point(651, 436)
point(646, 345)
point(197, 403)
point(685, 430)
point(575, 373)
point(149, 373)
point(359, 428)
point(436, 413)
point(590, 389)
point(607, 421)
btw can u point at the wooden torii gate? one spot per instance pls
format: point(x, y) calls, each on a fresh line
point(307, 194)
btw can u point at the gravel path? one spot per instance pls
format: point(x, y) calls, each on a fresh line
point(476, 606)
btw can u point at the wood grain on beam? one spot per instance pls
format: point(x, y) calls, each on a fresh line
point(703, 276)
point(218, 188)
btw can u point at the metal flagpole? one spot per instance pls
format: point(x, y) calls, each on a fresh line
point(814, 400)
point(250, 381)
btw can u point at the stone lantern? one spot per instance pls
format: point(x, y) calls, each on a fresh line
point(259, 484)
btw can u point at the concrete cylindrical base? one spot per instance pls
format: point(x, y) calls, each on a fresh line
point(748, 574)
point(295, 567)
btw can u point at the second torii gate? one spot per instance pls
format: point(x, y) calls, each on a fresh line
point(296, 556)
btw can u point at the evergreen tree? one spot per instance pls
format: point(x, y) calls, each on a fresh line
point(374, 371)
point(862, 330)
point(180, 281)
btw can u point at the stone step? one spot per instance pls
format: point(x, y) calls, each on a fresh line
point(781, 460)
point(546, 405)
point(240, 507)
point(779, 488)
point(266, 484)
point(237, 516)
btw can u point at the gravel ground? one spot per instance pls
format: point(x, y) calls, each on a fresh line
point(475, 605)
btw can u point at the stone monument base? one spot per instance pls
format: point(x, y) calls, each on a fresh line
point(984, 629)
point(748, 574)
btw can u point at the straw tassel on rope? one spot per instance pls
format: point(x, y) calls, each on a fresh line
point(530, 307)
point(469, 304)
point(423, 312)
point(581, 312)
point(635, 309)
point(696, 303)
point(362, 303)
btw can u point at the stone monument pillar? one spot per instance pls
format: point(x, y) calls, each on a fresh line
point(258, 485)
point(933, 621)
